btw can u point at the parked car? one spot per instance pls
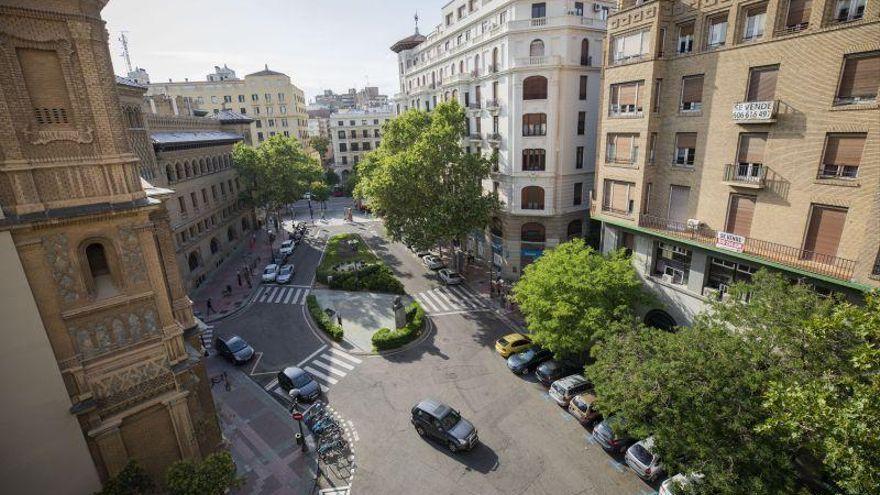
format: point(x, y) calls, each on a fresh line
point(294, 378)
point(669, 486)
point(432, 262)
point(450, 277)
point(270, 273)
point(604, 433)
point(564, 389)
point(285, 274)
point(527, 360)
point(287, 247)
point(583, 408)
point(641, 458)
point(512, 343)
point(554, 369)
point(421, 253)
point(432, 418)
point(234, 349)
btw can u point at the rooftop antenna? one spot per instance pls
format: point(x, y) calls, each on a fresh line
point(416, 17)
point(125, 55)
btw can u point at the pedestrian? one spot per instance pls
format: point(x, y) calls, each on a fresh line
point(239, 279)
point(339, 319)
point(208, 308)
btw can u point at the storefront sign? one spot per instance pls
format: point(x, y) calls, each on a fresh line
point(732, 242)
point(531, 253)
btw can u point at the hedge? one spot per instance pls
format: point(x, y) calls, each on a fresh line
point(324, 322)
point(389, 339)
point(374, 276)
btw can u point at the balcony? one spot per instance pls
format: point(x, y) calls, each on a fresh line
point(587, 61)
point(624, 111)
point(474, 108)
point(750, 175)
point(475, 137)
point(620, 59)
point(494, 138)
point(755, 112)
point(538, 61)
point(493, 106)
point(554, 21)
point(462, 77)
point(808, 261)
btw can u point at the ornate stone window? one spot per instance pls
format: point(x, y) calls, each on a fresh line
point(97, 259)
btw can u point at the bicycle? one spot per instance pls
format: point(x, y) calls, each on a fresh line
point(332, 433)
point(324, 425)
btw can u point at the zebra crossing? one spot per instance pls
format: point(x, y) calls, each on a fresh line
point(451, 299)
point(277, 294)
point(327, 366)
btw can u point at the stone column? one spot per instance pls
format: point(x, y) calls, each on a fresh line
point(180, 303)
point(183, 428)
point(112, 448)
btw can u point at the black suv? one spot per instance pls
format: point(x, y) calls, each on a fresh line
point(435, 419)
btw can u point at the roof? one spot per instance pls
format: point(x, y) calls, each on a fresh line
point(434, 408)
point(266, 72)
point(226, 116)
point(408, 43)
point(155, 191)
point(194, 137)
point(129, 82)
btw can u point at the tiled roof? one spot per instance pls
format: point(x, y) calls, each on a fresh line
point(227, 116)
point(187, 137)
point(408, 42)
point(129, 82)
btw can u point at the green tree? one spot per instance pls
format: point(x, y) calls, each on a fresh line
point(320, 192)
point(572, 295)
point(421, 180)
point(213, 476)
point(331, 178)
point(132, 480)
point(277, 172)
point(320, 144)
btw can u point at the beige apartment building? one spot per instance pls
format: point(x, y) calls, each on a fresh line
point(353, 134)
point(275, 104)
point(737, 135)
point(98, 371)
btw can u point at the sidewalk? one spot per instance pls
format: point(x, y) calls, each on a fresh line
point(477, 278)
point(260, 433)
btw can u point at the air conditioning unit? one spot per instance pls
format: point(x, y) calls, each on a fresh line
point(666, 278)
point(597, 7)
point(693, 223)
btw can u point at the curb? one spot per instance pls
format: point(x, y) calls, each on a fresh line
point(246, 302)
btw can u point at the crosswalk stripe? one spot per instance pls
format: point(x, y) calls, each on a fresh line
point(260, 293)
point(337, 361)
point(467, 296)
point(296, 297)
point(281, 293)
point(322, 376)
point(287, 299)
point(435, 300)
point(426, 302)
point(460, 298)
point(345, 355)
point(272, 384)
point(327, 367)
point(305, 295)
point(268, 294)
point(440, 293)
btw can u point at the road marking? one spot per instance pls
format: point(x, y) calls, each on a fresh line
point(296, 297)
point(260, 292)
point(327, 367)
point(462, 312)
point(441, 293)
point(305, 296)
point(616, 465)
point(256, 362)
point(345, 355)
point(287, 299)
point(337, 362)
point(437, 302)
point(324, 388)
point(425, 302)
point(268, 294)
point(281, 293)
point(272, 384)
point(320, 350)
point(314, 372)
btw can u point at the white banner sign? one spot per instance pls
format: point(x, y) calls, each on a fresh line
point(754, 110)
point(730, 241)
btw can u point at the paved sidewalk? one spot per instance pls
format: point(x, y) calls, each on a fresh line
point(363, 313)
point(260, 433)
point(477, 278)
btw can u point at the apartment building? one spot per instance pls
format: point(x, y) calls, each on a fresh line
point(188, 160)
point(367, 97)
point(528, 74)
point(275, 104)
point(737, 135)
point(353, 134)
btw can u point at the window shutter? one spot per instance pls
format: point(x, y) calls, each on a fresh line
point(751, 148)
point(844, 149)
point(861, 76)
point(686, 140)
point(692, 89)
point(798, 12)
point(628, 93)
point(678, 202)
point(740, 214)
point(620, 196)
point(762, 84)
point(623, 147)
point(826, 227)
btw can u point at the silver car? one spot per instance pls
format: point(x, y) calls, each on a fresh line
point(641, 458)
point(450, 277)
point(284, 274)
point(270, 273)
point(432, 262)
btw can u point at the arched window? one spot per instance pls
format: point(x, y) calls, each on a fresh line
point(461, 66)
point(446, 96)
point(496, 227)
point(535, 88)
point(477, 64)
point(585, 52)
point(188, 168)
point(202, 168)
point(536, 48)
point(169, 173)
point(532, 198)
point(532, 232)
point(179, 169)
point(214, 163)
point(215, 245)
point(455, 94)
point(452, 69)
point(575, 229)
point(193, 260)
point(100, 279)
point(534, 160)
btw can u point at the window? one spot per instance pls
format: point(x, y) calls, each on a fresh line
point(375, 121)
point(843, 155)
point(753, 25)
point(646, 200)
point(762, 83)
point(539, 10)
point(192, 197)
point(533, 160)
point(255, 97)
point(376, 133)
point(860, 79)
point(823, 232)
point(357, 158)
point(534, 124)
point(241, 98)
point(351, 122)
point(685, 38)
point(579, 157)
point(340, 123)
point(579, 8)
point(723, 274)
point(259, 136)
point(685, 148)
point(181, 203)
point(655, 105)
point(630, 46)
point(626, 99)
point(257, 110)
point(582, 123)
point(282, 109)
point(740, 211)
point(533, 232)
point(259, 124)
point(461, 11)
point(214, 192)
point(214, 100)
point(691, 93)
point(286, 134)
point(652, 147)
point(622, 149)
point(448, 19)
point(280, 97)
point(271, 122)
point(283, 122)
point(677, 213)
point(227, 99)
point(366, 146)
point(617, 196)
point(99, 270)
point(341, 134)
point(270, 110)
point(532, 198)
point(534, 88)
point(536, 48)
point(798, 16)
point(582, 88)
point(750, 157)
point(365, 133)
point(586, 59)
point(268, 96)
point(352, 134)
point(355, 147)
point(849, 10)
point(345, 160)
point(672, 263)
point(242, 110)
point(343, 147)
point(716, 32)
point(578, 193)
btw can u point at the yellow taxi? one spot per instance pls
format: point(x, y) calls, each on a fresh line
point(513, 343)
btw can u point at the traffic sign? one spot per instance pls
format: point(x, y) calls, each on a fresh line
point(298, 416)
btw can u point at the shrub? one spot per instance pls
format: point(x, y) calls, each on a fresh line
point(324, 322)
point(132, 480)
point(213, 476)
point(390, 339)
point(374, 276)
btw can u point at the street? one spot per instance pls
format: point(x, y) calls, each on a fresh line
point(528, 444)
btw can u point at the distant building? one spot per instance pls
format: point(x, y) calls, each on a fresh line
point(368, 97)
point(354, 133)
point(268, 97)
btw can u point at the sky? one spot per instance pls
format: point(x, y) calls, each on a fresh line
point(328, 44)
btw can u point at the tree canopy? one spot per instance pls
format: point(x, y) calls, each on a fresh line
point(276, 172)
point(427, 188)
point(572, 295)
point(320, 144)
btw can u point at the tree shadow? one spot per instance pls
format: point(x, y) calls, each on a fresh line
point(422, 347)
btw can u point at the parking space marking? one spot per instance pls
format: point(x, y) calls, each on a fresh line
point(565, 415)
point(616, 465)
point(328, 379)
point(256, 362)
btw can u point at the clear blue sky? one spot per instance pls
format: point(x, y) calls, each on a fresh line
point(335, 44)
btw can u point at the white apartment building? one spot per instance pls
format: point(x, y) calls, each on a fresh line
point(354, 133)
point(529, 75)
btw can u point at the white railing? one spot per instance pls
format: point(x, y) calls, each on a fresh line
point(533, 61)
point(562, 20)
